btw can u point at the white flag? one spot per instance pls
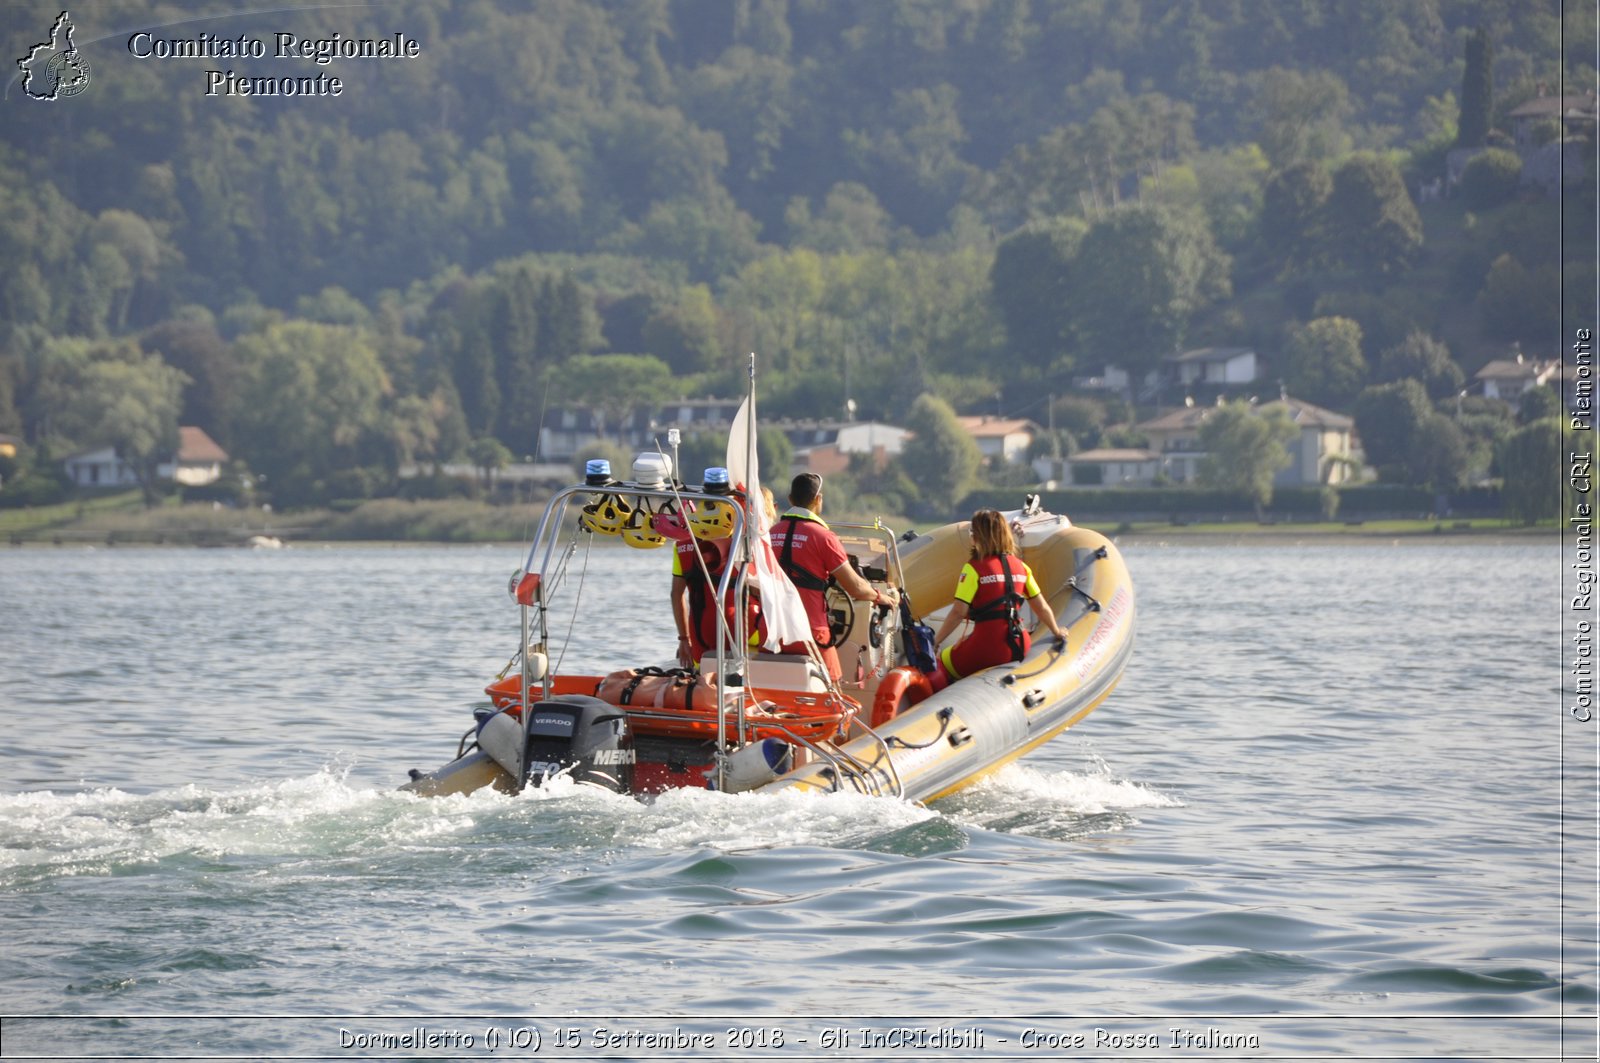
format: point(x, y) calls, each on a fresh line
point(781, 607)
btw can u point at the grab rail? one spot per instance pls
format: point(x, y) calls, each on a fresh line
point(548, 534)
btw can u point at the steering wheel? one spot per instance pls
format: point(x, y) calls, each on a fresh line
point(841, 610)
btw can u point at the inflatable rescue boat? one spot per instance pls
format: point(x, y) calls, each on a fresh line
point(747, 720)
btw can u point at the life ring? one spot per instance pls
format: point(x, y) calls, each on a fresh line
point(902, 688)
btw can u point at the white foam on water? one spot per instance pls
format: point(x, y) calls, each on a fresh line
point(47, 834)
point(98, 831)
point(1023, 800)
point(685, 819)
point(1087, 793)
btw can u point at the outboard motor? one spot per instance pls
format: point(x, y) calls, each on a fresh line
point(581, 737)
point(574, 735)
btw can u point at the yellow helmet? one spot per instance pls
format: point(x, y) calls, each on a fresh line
point(607, 515)
point(639, 534)
point(712, 520)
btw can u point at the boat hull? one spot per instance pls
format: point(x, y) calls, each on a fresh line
point(982, 722)
point(870, 735)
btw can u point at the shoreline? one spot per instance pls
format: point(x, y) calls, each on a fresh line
point(1390, 533)
point(459, 523)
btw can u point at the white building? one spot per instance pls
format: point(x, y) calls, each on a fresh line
point(827, 447)
point(1219, 366)
point(1115, 467)
point(197, 462)
point(1007, 439)
point(1321, 453)
point(1507, 378)
point(100, 468)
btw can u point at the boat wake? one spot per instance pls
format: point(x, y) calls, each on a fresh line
point(1059, 805)
point(323, 819)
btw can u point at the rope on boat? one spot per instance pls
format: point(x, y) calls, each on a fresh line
point(946, 714)
point(1057, 648)
point(583, 576)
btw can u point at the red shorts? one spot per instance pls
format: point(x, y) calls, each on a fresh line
point(986, 646)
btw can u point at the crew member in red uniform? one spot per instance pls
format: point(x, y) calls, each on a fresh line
point(990, 591)
point(694, 587)
point(812, 556)
point(698, 561)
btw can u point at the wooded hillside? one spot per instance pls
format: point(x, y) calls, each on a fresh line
point(981, 200)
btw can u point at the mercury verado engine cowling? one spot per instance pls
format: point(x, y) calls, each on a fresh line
point(574, 735)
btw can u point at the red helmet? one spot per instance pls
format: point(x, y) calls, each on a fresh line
point(669, 523)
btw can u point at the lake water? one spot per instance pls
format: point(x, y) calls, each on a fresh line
point(1335, 809)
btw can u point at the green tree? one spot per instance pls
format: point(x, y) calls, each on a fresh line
point(196, 348)
point(414, 430)
point(706, 450)
point(1538, 403)
point(134, 244)
point(1080, 167)
point(1388, 418)
point(10, 416)
point(620, 457)
point(1484, 423)
point(1029, 285)
point(1490, 178)
point(1292, 214)
point(129, 400)
point(685, 333)
point(1225, 185)
point(1518, 303)
point(1324, 362)
point(776, 455)
point(333, 306)
point(1438, 455)
point(1141, 274)
point(456, 341)
point(851, 220)
point(566, 323)
point(488, 455)
point(514, 335)
point(1421, 357)
point(1372, 227)
point(1530, 461)
point(775, 303)
point(1477, 90)
point(310, 403)
point(1245, 449)
point(943, 459)
point(615, 384)
point(1302, 115)
point(912, 149)
point(709, 234)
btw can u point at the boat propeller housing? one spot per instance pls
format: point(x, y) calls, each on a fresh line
point(577, 736)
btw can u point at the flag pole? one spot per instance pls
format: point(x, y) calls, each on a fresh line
point(750, 461)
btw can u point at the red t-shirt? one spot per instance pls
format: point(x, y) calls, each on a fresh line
point(702, 590)
point(816, 551)
point(703, 620)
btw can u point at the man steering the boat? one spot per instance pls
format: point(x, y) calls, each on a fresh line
point(812, 556)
